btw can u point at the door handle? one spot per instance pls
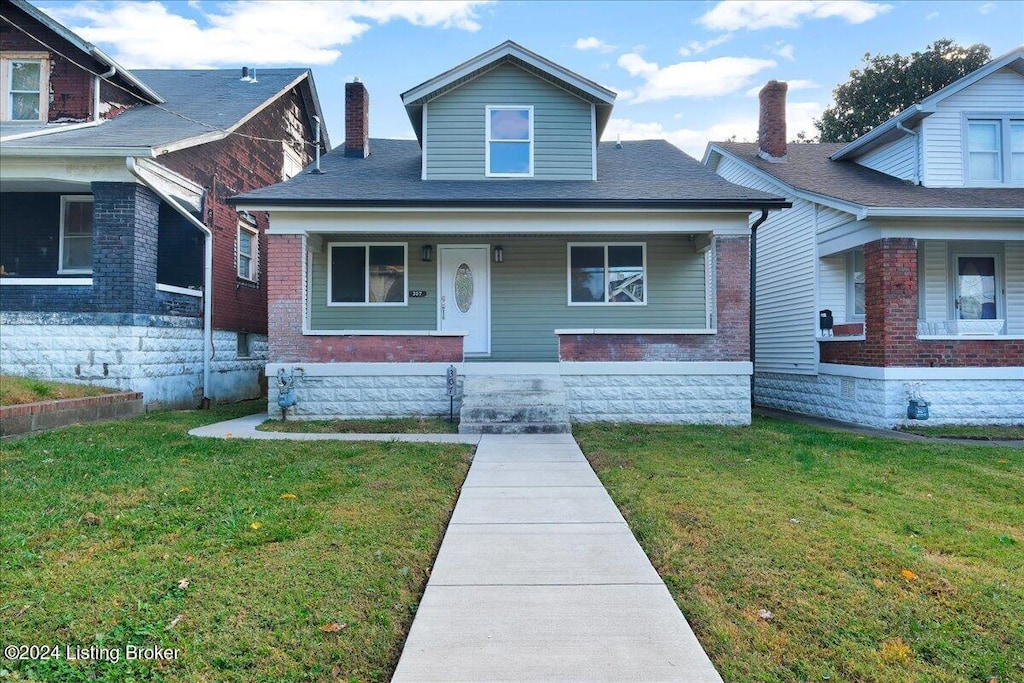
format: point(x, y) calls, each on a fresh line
point(444, 302)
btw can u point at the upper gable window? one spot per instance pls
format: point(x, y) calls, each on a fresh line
point(509, 141)
point(25, 85)
point(995, 150)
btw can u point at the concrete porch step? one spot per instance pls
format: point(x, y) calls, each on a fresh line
point(514, 405)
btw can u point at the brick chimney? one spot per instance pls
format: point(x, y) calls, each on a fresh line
point(771, 130)
point(357, 120)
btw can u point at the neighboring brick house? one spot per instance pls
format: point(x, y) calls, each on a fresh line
point(610, 280)
point(113, 187)
point(912, 236)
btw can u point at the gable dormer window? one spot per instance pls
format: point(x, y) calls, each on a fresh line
point(995, 150)
point(24, 79)
point(509, 142)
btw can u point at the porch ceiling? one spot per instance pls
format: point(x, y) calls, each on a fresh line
point(45, 185)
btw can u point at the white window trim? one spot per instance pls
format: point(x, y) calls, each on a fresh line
point(966, 252)
point(254, 255)
point(568, 273)
point(851, 297)
point(366, 275)
point(487, 139)
point(292, 158)
point(1004, 119)
point(64, 201)
point(6, 62)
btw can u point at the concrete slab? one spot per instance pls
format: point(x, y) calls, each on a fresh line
point(245, 428)
point(541, 554)
point(537, 453)
point(521, 505)
point(531, 474)
point(530, 439)
point(552, 633)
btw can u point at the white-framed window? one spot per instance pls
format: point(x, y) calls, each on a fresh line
point(994, 150)
point(293, 162)
point(976, 285)
point(855, 302)
point(509, 148)
point(367, 274)
point(248, 251)
point(75, 235)
point(607, 274)
point(243, 345)
point(24, 82)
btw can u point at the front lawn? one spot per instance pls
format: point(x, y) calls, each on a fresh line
point(258, 561)
point(800, 554)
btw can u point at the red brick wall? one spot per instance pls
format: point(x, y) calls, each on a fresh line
point(732, 343)
point(228, 167)
point(891, 296)
point(288, 344)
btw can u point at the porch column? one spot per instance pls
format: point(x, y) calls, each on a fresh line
point(285, 297)
point(124, 248)
point(890, 293)
point(732, 295)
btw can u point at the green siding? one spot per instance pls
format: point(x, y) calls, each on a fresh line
point(528, 294)
point(562, 147)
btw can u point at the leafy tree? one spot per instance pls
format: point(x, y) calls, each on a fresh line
point(888, 84)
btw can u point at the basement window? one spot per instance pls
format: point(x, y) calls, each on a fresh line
point(509, 148)
point(244, 346)
point(374, 274)
point(75, 235)
point(24, 80)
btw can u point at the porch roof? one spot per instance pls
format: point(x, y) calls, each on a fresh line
point(809, 168)
point(638, 174)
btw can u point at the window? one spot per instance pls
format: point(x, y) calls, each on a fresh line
point(25, 80)
point(367, 274)
point(248, 251)
point(607, 274)
point(509, 141)
point(855, 301)
point(293, 161)
point(976, 289)
point(244, 349)
point(75, 235)
point(995, 150)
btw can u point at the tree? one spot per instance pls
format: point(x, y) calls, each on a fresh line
point(888, 84)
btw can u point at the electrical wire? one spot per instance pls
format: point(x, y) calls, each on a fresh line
point(159, 106)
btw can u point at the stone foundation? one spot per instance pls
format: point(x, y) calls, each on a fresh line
point(883, 402)
point(160, 356)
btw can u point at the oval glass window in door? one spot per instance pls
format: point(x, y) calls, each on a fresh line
point(464, 287)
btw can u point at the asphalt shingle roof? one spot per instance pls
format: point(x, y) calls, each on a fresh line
point(809, 168)
point(218, 98)
point(645, 172)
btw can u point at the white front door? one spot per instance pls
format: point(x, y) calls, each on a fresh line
point(464, 295)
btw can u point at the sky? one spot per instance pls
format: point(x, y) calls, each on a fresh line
point(687, 72)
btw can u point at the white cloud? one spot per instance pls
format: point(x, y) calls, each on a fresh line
point(794, 85)
point(695, 47)
point(714, 77)
point(931, 15)
point(987, 7)
point(753, 15)
point(800, 117)
point(151, 35)
point(784, 51)
point(593, 43)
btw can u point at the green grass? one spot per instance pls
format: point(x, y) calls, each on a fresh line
point(391, 425)
point(19, 390)
point(983, 432)
point(817, 527)
point(99, 525)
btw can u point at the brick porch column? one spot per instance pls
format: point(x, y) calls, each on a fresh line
point(284, 297)
point(890, 296)
point(126, 219)
point(732, 283)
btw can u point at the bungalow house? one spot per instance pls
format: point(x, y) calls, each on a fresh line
point(121, 264)
point(559, 276)
point(898, 274)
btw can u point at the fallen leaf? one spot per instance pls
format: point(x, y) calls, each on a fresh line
point(91, 519)
point(765, 614)
point(255, 525)
point(173, 623)
point(185, 490)
point(288, 496)
point(878, 583)
point(183, 584)
point(908, 575)
point(333, 627)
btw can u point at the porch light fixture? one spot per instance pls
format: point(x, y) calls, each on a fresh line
point(499, 254)
point(428, 253)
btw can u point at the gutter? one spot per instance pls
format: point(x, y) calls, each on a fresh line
point(207, 271)
point(97, 79)
point(724, 204)
point(753, 297)
point(50, 131)
point(917, 150)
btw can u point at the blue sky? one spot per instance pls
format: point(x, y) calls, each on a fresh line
point(687, 72)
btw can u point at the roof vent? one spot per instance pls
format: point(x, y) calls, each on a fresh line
point(245, 73)
point(618, 141)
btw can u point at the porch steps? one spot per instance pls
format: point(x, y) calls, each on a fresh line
point(513, 405)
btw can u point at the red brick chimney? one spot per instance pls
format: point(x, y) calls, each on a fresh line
point(771, 130)
point(357, 120)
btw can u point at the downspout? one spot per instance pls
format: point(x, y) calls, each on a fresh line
point(96, 92)
point(917, 150)
point(207, 272)
point(753, 295)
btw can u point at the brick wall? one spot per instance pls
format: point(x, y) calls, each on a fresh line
point(891, 312)
point(232, 166)
point(731, 343)
point(124, 247)
point(289, 345)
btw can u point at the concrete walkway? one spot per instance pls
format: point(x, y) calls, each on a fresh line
point(539, 579)
point(245, 428)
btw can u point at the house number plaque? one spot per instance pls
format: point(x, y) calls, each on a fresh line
point(417, 293)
